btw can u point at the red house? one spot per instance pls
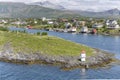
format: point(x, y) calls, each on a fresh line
point(29, 27)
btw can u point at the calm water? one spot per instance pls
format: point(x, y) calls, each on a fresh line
point(9, 71)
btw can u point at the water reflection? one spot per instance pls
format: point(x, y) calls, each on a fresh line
point(83, 73)
point(117, 38)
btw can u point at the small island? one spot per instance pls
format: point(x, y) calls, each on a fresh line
point(19, 47)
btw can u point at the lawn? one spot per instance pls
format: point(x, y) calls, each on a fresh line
point(29, 43)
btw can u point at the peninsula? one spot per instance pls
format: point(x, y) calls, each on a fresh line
point(31, 49)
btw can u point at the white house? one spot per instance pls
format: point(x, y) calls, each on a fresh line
point(4, 21)
point(84, 29)
point(112, 24)
point(82, 23)
point(97, 25)
point(68, 25)
point(108, 22)
point(50, 22)
point(73, 29)
point(19, 22)
point(35, 22)
point(43, 18)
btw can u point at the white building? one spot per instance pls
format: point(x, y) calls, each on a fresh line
point(112, 24)
point(4, 21)
point(68, 25)
point(50, 22)
point(35, 22)
point(73, 29)
point(97, 25)
point(43, 18)
point(84, 29)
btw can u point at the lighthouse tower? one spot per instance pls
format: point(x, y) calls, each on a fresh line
point(83, 55)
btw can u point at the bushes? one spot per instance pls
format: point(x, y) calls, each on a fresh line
point(3, 29)
point(42, 34)
point(19, 31)
point(38, 33)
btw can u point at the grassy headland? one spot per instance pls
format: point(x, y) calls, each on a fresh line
point(22, 42)
point(30, 48)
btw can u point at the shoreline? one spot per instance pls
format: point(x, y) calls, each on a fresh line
point(99, 59)
point(63, 31)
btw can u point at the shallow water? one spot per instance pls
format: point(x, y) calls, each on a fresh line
point(9, 71)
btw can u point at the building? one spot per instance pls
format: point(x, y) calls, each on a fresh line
point(82, 23)
point(112, 24)
point(63, 20)
point(50, 22)
point(19, 23)
point(97, 25)
point(68, 25)
point(72, 30)
point(43, 18)
point(84, 29)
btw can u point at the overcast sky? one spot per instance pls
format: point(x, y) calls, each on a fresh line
point(96, 5)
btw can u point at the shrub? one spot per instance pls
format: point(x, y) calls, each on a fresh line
point(24, 31)
point(14, 31)
point(38, 33)
point(44, 33)
point(3, 29)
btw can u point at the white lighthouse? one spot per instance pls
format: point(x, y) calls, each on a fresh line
point(83, 56)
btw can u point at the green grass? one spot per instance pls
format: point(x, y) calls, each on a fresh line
point(50, 45)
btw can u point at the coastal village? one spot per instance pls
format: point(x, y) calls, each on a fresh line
point(71, 25)
point(59, 39)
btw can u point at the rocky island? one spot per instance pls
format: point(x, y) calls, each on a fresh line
point(33, 49)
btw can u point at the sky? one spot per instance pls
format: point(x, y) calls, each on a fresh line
point(91, 5)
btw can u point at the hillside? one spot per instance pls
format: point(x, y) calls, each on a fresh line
point(21, 10)
point(48, 4)
point(37, 10)
point(113, 13)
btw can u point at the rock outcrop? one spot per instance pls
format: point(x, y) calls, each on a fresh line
point(100, 58)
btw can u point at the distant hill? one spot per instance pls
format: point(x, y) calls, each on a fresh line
point(21, 10)
point(48, 4)
point(113, 13)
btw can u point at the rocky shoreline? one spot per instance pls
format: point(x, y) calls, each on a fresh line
point(99, 59)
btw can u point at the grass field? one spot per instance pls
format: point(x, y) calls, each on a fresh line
point(28, 43)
